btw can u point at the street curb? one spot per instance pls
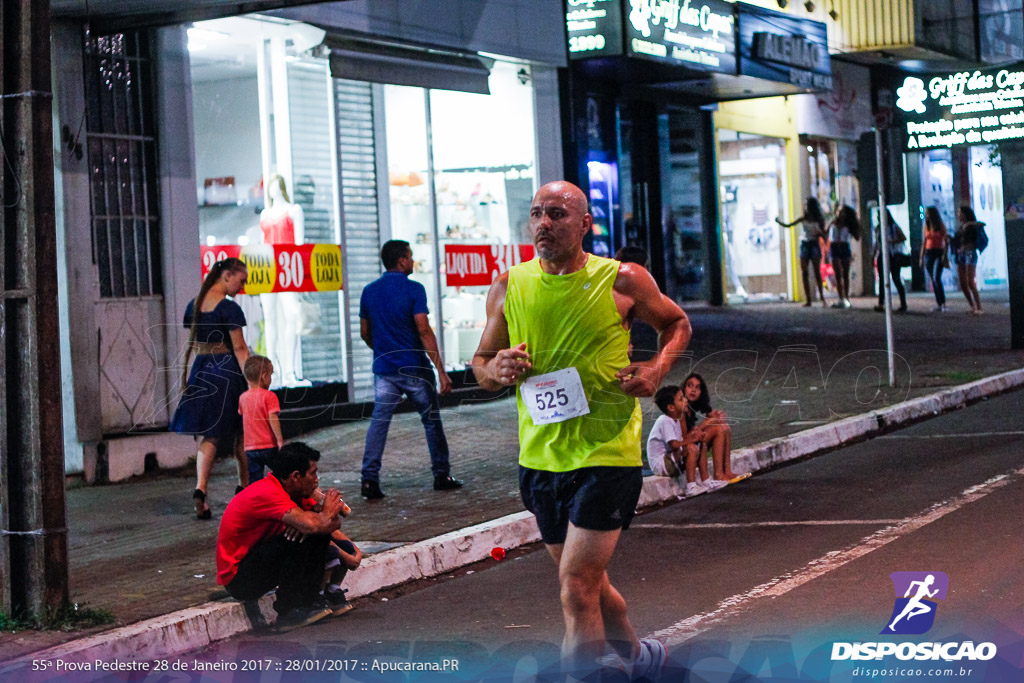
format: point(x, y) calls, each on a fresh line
point(198, 627)
point(826, 437)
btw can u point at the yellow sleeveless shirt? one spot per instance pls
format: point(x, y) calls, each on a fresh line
point(571, 320)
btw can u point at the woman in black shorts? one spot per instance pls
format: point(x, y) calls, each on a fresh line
point(810, 251)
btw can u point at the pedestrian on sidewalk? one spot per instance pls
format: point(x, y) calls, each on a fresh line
point(394, 322)
point(209, 403)
point(555, 332)
point(933, 254)
point(710, 430)
point(897, 262)
point(965, 243)
point(670, 451)
point(813, 221)
point(842, 228)
point(269, 540)
point(261, 416)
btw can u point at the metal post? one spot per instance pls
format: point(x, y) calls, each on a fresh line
point(883, 247)
point(33, 536)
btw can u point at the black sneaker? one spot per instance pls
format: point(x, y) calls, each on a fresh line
point(255, 615)
point(445, 482)
point(337, 601)
point(301, 616)
point(371, 490)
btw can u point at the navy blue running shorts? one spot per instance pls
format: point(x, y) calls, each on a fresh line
point(594, 498)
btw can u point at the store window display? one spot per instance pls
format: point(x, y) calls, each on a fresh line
point(481, 151)
point(282, 222)
point(752, 173)
point(260, 100)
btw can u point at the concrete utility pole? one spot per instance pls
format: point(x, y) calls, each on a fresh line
point(884, 258)
point(33, 522)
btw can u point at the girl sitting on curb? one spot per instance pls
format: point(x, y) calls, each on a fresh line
point(709, 426)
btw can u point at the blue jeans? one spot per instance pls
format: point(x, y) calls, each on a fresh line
point(257, 459)
point(933, 266)
point(388, 389)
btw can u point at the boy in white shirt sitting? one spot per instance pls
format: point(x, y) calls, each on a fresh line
point(669, 449)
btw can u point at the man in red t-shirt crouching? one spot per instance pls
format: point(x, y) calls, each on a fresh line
point(259, 548)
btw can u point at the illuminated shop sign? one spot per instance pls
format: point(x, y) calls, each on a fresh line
point(780, 47)
point(594, 28)
point(698, 34)
point(963, 108)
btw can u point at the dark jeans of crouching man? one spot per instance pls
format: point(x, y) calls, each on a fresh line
point(295, 569)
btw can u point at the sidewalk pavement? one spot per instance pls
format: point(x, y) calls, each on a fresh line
point(776, 369)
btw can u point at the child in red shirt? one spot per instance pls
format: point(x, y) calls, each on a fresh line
point(260, 411)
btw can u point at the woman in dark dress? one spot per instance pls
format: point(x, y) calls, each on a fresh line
point(209, 405)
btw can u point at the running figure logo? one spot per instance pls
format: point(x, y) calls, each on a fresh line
point(914, 612)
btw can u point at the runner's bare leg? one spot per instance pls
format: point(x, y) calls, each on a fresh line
point(594, 611)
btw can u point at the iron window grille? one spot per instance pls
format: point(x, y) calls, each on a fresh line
point(123, 171)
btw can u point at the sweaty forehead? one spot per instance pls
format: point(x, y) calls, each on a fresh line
point(561, 194)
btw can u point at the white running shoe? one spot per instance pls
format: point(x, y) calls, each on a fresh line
point(693, 489)
point(649, 664)
point(713, 484)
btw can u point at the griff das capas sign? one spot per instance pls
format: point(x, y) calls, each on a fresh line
point(963, 108)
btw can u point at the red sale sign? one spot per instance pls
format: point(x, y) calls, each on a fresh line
point(476, 265)
point(282, 267)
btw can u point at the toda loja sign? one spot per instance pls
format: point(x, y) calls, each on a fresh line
point(282, 267)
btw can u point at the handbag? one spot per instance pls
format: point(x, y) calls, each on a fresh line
point(901, 260)
point(945, 258)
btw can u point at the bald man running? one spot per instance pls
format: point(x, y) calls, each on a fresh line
point(556, 330)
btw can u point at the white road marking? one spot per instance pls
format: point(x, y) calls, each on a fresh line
point(693, 626)
point(743, 525)
point(951, 436)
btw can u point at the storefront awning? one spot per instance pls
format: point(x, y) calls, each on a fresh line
point(361, 59)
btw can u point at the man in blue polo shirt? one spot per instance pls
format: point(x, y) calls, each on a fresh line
point(393, 322)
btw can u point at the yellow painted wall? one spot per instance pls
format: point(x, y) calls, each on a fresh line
point(773, 117)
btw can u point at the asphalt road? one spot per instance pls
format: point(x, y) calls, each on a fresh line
point(753, 582)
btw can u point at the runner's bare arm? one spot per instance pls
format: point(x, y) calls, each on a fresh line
point(494, 363)
point(637, 290)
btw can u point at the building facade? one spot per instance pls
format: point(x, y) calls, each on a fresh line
point(375, 124)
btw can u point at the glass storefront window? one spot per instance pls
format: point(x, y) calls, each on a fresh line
point(266, 176)
point(482, 152)
point(269, 124)
point(753, 188)
point(987, 202)
point(405, 121)
point(484, 178)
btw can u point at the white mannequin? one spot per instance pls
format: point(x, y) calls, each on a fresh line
point(281, 310)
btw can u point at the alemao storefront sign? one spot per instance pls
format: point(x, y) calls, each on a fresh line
point(962, 108)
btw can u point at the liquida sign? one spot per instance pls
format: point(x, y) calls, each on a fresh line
point(963, 108)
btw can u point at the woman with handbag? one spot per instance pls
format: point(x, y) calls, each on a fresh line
point(933, 254)
point(897, 261)
point(965, 248)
